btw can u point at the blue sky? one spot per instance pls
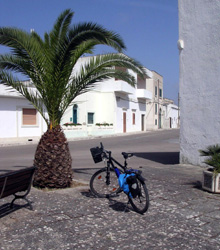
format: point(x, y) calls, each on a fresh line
point(149, 28)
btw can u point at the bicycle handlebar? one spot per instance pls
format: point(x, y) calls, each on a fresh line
point(104, 151)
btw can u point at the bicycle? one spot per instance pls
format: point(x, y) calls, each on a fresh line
point(105, 182)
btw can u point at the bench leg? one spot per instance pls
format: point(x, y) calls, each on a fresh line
point(20, 197)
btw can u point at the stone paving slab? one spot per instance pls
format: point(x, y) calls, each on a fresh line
point(181, 216)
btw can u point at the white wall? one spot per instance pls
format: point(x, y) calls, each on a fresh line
point(11, 119)
point(101, 104)
point(127, 105)
point(170, 116)
point(199, 23)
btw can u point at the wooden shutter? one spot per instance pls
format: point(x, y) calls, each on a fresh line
point(29, 116)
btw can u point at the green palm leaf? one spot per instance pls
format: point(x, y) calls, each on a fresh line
point(50, 63)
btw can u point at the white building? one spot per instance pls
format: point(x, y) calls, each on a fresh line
point(199, 45)
point(171, 114)
point(110, 107)
point(18, 116)
point(112, 102)
point(154, 115)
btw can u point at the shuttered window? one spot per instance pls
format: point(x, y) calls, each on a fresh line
point(29, 116)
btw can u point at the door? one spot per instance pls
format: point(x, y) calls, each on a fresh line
point(142, 122)
point(124, 122)
point(75, 114)
point(160, 121)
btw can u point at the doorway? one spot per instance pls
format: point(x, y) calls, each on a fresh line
point(142, 122)
point(75, 107)
point(160, 119)
point(124, 122)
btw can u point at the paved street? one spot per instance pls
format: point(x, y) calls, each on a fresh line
point(147, 146)
point(181, 215)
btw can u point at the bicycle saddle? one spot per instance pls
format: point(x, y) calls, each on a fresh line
point(127, 155)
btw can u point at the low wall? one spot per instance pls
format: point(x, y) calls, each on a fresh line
point(85, 131)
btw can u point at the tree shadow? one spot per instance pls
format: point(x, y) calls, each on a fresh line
point(166, 158)
point(87, 171)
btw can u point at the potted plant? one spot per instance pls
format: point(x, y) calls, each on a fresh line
point(211, 176)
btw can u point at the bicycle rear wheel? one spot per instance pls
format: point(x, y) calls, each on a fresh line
point(104, 183)
point(141, 203)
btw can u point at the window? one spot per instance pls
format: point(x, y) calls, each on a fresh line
point(155, 108)
point(155, 90)
point(155, 121)
point(160, 93)
point(90, 118)
point(29, 116)
point(133, 118)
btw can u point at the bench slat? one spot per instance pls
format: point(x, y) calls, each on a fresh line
point(17, 181)
point(18, 172)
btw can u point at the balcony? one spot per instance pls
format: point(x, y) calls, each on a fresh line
point(143, 94)
point(123, 87)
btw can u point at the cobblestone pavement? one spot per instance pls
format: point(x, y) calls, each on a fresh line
point(181, 216)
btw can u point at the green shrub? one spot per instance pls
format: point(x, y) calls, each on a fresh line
point(213, 157)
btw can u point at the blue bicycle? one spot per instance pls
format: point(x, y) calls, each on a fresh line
point(111, 180)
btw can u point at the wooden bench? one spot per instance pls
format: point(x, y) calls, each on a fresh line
point(17, 181)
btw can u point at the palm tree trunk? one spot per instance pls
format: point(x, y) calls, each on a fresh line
point(53, 160)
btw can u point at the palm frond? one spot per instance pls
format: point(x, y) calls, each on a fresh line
point(29, 93)
point(98, 69)
point(50, 63)
point(211, 150)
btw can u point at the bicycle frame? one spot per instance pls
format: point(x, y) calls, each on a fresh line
point(111, 161)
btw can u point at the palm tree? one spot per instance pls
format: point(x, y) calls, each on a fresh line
point(50, 63)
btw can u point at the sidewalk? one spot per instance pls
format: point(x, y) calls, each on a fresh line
point(181, 216)
point(16, 141)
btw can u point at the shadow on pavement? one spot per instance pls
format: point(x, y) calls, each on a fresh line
point(113, 204)
point(166, 158)
point(88, 194)
point(196, 184)
point(88, 171)
point(5, 209)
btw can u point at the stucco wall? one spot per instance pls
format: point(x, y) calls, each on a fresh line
point(199, 28)
point(11, 119)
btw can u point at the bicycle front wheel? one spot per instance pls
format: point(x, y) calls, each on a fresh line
point(140, 203)
point(104, 183)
